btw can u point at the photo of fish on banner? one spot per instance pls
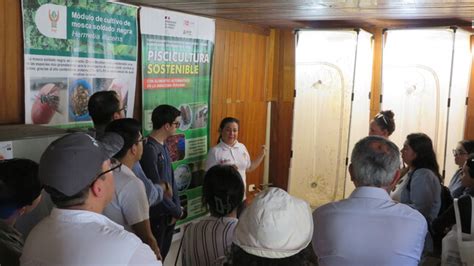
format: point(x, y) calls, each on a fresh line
point(48, 100)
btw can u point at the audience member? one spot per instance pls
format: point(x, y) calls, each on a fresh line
point(369, 228)
point(20, 192)
point(208, 241)
point(383, 124)
point(274, 230)
point(76, 170)
point(156, 163)
point(462, 151)
point(447, 219)
point(129, 206)
point(105, 107)
point(421, 186)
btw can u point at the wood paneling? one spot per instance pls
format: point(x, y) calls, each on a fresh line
point(11, 63)
point(469, 128)
point(239, 85)
point(282, 107)
point(376, 72)
point(292, 14)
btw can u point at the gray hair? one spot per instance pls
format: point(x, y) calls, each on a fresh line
point(375, 161)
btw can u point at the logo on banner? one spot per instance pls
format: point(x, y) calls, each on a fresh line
point(51, 21)
point(188, 27)
point(54, 18)
point(169, 24)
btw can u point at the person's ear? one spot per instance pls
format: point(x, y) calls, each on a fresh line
point(97, 188)
point(134, 149)
point(116, 116)
point(351, 172)
point(396, 178)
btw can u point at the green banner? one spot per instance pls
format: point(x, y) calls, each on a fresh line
point(74, 48)
point(176, 69)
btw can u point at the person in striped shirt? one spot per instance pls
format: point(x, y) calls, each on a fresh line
point(208, 241)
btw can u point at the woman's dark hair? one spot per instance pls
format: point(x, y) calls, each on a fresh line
point(425, 155)
point(224, 122)
point(223, 190)
point(385, 120)
point(470, 165)
point(468, 145)
point(19, 185)
point(305, 257)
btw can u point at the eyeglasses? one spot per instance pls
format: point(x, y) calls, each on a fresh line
point(177, 123)
point(143, 140)
point(379, 115)
point(114, 164)
point(124, 109)
point(457, 152)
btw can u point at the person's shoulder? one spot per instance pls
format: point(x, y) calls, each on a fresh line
point(112, 233)
point(408, 212)
point(423, 172)
point(240, 145)
point(327, 208)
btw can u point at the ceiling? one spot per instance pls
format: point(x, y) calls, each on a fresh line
point(327, 13)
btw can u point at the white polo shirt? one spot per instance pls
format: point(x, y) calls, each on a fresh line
point(77, 237)
point(232, 155)
point(130, 204)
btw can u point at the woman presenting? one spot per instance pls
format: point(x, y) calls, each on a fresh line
point(231, 152)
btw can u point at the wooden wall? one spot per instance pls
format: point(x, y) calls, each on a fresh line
point(282, 99)
point(11, 63)
point(239, 85)
point(469, 128)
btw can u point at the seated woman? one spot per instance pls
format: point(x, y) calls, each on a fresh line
point(420, 188)
point(382, 124)
point(208, 241)
point(275, 229)
point(447, 219)
point(463, 149)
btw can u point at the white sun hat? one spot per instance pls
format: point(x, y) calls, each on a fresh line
point(275, 225)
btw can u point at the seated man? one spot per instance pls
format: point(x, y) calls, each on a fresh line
point(20, 192)
point(275, 229)
point(129, 206)
point(76, 170)
point(369, 228)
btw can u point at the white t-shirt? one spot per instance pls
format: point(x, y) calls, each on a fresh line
point(78, 237)
point(232, 155)
point(130, 204)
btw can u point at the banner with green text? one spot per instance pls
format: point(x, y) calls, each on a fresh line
point(176, 68)
point(73, 48)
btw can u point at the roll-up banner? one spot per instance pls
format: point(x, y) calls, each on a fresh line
point(176, 68)
point(73, 49)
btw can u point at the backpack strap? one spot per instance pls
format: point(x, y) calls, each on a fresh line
point(410, 174)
